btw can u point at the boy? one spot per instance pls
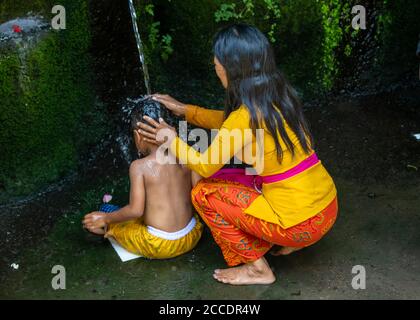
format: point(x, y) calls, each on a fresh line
point(158, 223)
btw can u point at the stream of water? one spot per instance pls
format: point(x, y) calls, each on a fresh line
point(139, 46)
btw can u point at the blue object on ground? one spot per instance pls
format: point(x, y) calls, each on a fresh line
point(107, 208)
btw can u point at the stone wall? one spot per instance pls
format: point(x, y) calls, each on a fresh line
point(47, 104)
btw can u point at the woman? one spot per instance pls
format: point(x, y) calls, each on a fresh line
point(296, 205)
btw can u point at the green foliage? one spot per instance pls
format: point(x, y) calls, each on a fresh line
point(157, 43)
point(47, 105)
point(294, 27)
point(154, 35)
point(150, 9)
point(319, 25)
point(397, 35)
point(191, 25)
point(166, 46)
point(226, 12)
point(245, 10)
point(331, 11)
point(13, 9)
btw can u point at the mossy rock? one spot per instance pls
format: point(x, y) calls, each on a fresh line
point(46, 99)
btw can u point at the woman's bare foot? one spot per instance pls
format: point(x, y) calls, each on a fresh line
point(257, 272)
point(284, 251)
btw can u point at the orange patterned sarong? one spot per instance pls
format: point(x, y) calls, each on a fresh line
point(244, 238)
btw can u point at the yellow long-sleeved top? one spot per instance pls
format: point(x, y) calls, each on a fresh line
point(287, 202)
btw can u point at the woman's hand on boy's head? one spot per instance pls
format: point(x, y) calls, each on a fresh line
point(177, 108)
point(95, 220)
point(156, 132)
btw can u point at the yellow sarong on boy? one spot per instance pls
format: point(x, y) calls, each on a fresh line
point(152, 243)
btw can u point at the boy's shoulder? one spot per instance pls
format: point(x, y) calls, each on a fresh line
point(144, 165)
point(150, 164)
point(137, 166)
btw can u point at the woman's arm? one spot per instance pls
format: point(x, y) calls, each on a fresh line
point(232, 138)
point(204, 118)
point(201, 117)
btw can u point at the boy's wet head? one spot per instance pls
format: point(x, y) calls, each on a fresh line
point(149, 108)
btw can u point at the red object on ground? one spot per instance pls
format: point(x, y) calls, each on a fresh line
point(16, 28)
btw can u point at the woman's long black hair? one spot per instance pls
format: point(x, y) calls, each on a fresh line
point(255, 81)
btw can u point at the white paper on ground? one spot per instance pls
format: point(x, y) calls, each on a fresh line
point(122, 253)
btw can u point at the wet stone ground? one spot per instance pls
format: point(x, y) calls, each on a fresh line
point(365, 144)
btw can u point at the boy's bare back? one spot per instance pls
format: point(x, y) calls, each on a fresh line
point(168, 194)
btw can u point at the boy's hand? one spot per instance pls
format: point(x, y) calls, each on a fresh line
point(95, 220)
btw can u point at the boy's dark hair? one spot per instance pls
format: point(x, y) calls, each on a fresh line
point(150, 108)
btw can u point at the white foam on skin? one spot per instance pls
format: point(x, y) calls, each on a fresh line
point(155, 172)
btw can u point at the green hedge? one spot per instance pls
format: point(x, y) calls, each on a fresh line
point(313, 39)
point(47, 104)
point(303, 40)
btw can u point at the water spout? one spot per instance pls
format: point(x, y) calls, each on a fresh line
point(139, 46)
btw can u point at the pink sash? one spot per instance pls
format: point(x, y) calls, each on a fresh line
point(254, 181)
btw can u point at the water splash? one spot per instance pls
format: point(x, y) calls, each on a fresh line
point(145, 102)
point(123, 139)
point(139, 46)
point(124, 135)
